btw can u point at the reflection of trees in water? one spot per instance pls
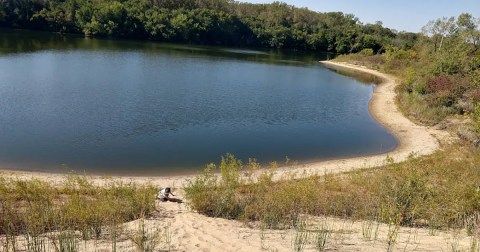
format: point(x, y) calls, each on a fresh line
point(18, 41)
point(364, 78)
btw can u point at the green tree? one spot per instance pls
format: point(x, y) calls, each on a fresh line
point(440, 29)
point(157, 24)
point(468, 28)
point(219, 22)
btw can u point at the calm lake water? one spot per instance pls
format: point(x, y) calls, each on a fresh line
point(129, 107)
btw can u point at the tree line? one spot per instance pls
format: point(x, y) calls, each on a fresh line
point(439, 75)
point(212, 22)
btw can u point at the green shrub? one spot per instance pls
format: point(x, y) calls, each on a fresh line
point(420, 108)
point(394, 53)
point(403, 190)
point(230, 170)
point(217, 198)
point(409, 79)
point(476, 78)
point(200, 192)
point(447, 65)
point(366, 52)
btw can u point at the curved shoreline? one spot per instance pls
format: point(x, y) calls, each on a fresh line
point(413, 140)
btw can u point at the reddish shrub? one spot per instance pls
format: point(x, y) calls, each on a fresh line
point(440, 83)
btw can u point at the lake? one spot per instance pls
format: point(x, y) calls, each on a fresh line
point(144, 108)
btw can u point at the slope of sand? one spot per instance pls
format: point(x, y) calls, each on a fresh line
point(178, 229)
point(181, 229)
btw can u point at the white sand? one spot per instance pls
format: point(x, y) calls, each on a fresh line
point(185, 230)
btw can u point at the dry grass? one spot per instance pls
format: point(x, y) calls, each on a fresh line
point(34, 208)
point(439, 191)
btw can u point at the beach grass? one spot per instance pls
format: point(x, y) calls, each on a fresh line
point(439, 191)
point(75, 207)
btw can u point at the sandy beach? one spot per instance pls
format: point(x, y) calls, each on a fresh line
point(190, 231)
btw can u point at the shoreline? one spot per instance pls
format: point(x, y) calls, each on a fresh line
point(412, 139)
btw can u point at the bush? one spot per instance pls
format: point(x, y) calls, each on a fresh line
point(366, 52)
point(201, 192)
point(440, 83)
point(476, 117)
point(447, 65)
point(217, 198)
point(445, 90)
point(409, 76)
point(394, 53)
point(418, 106)
point(476, 78)
point(403, 190)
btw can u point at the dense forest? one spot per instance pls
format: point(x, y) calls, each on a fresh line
point(213, 22)
point(439, 75)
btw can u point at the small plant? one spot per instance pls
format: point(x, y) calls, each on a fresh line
point(115, 231)
point(321, 238)
point(145, 239)
point(301, 235)
point(367, 230)
point(35, 243)
point(471, 224)
point(166, 237)
point(433, 225)
point(299, 240)
point(10, 237)
point(392, 236)
point(65, 241)
point(262, 234)
point(474, 244)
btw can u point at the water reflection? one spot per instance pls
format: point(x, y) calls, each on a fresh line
point(20, 41)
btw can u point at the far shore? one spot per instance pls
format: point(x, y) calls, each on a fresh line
point(413, 139)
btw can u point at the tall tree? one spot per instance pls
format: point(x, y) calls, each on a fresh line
point(441, 27)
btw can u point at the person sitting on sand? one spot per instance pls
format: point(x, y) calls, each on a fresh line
point(164, 194)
